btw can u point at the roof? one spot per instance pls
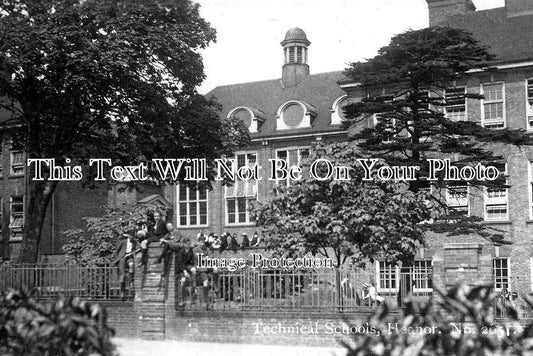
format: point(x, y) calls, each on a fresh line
point(295, 33)
point(318, 90)
point(509, 38)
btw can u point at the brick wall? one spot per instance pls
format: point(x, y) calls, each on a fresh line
point(124, 318)
point(309, 329)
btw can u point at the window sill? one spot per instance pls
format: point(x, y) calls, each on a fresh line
point(192, 226)
point(496, 222)
point(240, 224)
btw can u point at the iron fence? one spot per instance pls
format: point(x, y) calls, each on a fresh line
point(327, 290)
point(48, 281)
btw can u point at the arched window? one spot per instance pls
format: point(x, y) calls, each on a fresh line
point(295, 115)
point(251, 118)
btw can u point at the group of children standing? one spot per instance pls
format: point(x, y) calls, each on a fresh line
point(227, 241)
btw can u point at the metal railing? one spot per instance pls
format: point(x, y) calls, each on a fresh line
point(327, 290)
point(50, 281)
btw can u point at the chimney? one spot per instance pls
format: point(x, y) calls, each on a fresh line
point(518, 7)
point(440, 10)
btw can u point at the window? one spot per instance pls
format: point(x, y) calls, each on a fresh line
point(242, 194)
point(422, 276)
point(387, 276)
point(192, 206)
point(293, 157)
point(17, 163)
point(16, 220)
point(251, 118)
point(493, 106)
point(496, 201)
point(501, 273)
point(457, 198)
point(337, 111)
point(529, 104)
point(295, 115)
point(455, 103)
point(530, 180)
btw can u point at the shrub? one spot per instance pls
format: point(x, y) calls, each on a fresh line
point(459, 322)
point(66, 327)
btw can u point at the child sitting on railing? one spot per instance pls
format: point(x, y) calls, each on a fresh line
point(371, 293)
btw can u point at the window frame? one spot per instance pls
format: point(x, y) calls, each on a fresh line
point(449, 198)
point(508, 277)
point(529, 103)
point(465, 105)
point(392, 276)
point(530, 187)
point(427, 271)
point(486, 201)
point(188, 201)
point(247, 198)
point(291, 148)
point(486, 102)
point(12, 217)
point(18, 165)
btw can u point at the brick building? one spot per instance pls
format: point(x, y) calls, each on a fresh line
point(287, 114)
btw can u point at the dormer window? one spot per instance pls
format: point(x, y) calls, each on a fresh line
point(251, 118)
point(295, 115)
point(337, 113)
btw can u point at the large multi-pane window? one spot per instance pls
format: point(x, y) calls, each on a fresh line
point(501, 273)
point(16, 217)
point(422, 276)
point(387, 276)
point(493, 105)
point(17, 163)
point(241, 195)
point(455, 103)
point(497, 201)
point(419, 276)
point(192, 206)
point(457, 198)
point(293, 157)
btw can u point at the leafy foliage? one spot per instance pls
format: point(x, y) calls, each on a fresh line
point(106, 78)
point(459, 322)
point(96, 245)
point(346, 218)
point(406, 86)
point(66, 327)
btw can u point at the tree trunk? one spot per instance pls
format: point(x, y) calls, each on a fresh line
point(38, 197)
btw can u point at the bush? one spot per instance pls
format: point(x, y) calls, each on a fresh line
point(460, 322)
point(66, 327)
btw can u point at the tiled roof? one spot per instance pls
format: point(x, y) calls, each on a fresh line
point(319, 90)
point(509, 38)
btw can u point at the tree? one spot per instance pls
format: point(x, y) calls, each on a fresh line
point(408, 85)
point(105, 78)
point(363, 220)
point(96, 244)
point(407, 89)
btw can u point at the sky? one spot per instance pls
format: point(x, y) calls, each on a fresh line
point(249, 33)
